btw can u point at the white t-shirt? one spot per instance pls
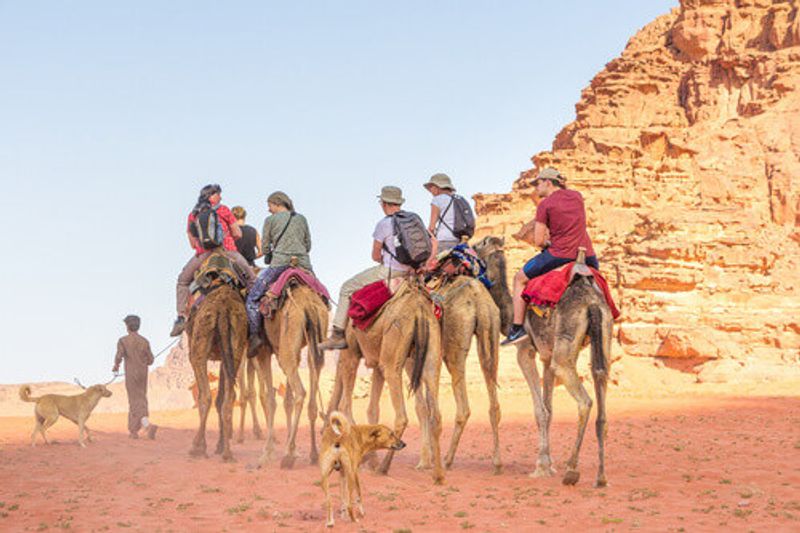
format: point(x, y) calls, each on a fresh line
point(443, 232)
point(384, 233)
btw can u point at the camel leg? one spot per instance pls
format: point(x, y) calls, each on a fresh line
point(488, 351)
point(346, 370)
point(423, 417)
point(430, 378)
point(227, 427)
point(251, 396)
point(267, 393)
point(203, 406)
point(526, 358)
point(600, 388)
point(395, 380)
point(313, 412)
point(374, 411)
point(456, 365)
point(224, 385)
point(564, 362)
point(242, 396)
point(295, 403)
point(545, 461)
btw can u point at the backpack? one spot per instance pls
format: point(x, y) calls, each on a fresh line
point(207, 227)
point(464, 218)
point(412, 242)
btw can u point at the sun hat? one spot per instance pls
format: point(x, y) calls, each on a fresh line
point(441, 180)
point(392, 195)
point(549, 173)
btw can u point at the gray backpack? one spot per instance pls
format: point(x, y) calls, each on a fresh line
point(412, 242)
point(463, 220)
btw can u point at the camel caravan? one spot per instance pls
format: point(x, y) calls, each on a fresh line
point(428, 293)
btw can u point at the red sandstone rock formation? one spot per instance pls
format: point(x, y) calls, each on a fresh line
point(687, 150)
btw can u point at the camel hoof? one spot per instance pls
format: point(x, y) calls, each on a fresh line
point(571, 477)
point(329, 523)
point(600, 483)
point(287, 462)
point(438, 479)
point(258, 435)
point(423, 465)
point(240, 440)
point(198, 452)
point(228, 458)
point(219, 449)
point(543, 470)
point(498, 469)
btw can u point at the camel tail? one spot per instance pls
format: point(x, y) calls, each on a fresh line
point(314, 333)
point(339, 424)
point(599, 367)
point(421, 340)
point(25, 394)
point(224, 332)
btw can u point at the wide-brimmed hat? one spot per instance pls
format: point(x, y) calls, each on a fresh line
point(392, 195)
point(549, 173)
point(441, 180)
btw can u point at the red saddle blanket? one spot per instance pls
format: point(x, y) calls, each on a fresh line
point(304, 277)
point(366, 302)
point(546, 290)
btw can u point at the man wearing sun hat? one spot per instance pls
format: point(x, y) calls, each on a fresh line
point(383, 253)
point(559, 229)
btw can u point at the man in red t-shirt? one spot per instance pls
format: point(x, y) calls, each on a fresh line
point(210, 196)
point(559, 228)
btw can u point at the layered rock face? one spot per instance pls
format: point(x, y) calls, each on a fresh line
point(687, 151)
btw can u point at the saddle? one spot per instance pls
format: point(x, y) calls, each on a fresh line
point(217, 270)
point(543, 292)
point(461, 260)
point(277, 292)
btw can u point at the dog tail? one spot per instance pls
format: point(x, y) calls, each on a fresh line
point(25, 394)
point(339, 424)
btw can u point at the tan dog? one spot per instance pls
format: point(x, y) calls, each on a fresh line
point(76, 408)
point(343, 447)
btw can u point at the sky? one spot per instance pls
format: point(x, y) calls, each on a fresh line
point(114, 114)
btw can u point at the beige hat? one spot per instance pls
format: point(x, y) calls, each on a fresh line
point(392, 195)
point(549, 173)
point(440, 180)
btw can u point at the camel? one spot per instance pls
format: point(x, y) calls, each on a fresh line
point(301, 321)
point(217, 331)
point(467, 310)
point(247, 397)
point(558, 337)
point(404, 335)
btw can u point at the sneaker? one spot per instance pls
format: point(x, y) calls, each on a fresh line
point(255, 342)
point(178, 326)
point(151, 431)
point(515, 336)
point(335, 342)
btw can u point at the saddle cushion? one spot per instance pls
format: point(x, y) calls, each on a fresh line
point(546, 290)
point(305, 277)
point(366, 303)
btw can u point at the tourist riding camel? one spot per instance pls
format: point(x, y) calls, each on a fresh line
point(559, 229)
point(451, 215)
point(286, 240)
point(249, 244)
point(210, 227)
point(384, 252)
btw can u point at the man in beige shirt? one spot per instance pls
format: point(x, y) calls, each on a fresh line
point(135, 350)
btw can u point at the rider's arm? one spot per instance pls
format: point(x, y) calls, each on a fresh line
point(236, 231)
point(259, 253)
point(540, 235)
point(377, 249)
point(434, 218)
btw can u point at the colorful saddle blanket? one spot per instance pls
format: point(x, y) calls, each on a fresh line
point(466, 261)
point(546, 290)
point(302, 276)
point(367, 302)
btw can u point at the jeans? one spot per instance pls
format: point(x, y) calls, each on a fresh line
point(545, 262)
point(265, 278)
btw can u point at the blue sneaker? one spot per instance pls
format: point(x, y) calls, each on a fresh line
point(515, 336)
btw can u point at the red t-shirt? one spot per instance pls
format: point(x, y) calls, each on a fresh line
point(227, 220)
point(564, 215)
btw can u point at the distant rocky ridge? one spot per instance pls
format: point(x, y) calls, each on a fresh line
point(687, 151)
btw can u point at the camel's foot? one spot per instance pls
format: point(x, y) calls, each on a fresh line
point(571, 477)
point(258, 434)
point(600, 482)
point(498, 469)
point(314, 457)
point(438, 477)
point(240, 439)
point(288, 461)
point(220, 448)
point(198, 451)
point(227, 457)
point(543, 469)
point(448, 461)
point(83, 444)
point(329, 523)
point(424, 464)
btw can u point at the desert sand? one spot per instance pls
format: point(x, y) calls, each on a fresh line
point(681, 455)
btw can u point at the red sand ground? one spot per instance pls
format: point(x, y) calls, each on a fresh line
point(695, 464)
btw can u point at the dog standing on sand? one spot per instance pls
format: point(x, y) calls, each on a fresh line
point(343, 447)
point(76, 408)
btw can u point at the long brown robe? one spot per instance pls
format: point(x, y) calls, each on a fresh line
point(135, 351)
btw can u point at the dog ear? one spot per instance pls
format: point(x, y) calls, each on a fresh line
point(336, 428)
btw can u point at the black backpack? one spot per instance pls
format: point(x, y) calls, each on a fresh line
point(412, 242)
point(207, 227)
point(464, 219)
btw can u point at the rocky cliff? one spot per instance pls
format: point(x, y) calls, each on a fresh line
point(687, 151)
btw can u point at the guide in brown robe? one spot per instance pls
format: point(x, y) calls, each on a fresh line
point(135, 350)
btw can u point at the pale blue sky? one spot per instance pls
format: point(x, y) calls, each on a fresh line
point(114, 114)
